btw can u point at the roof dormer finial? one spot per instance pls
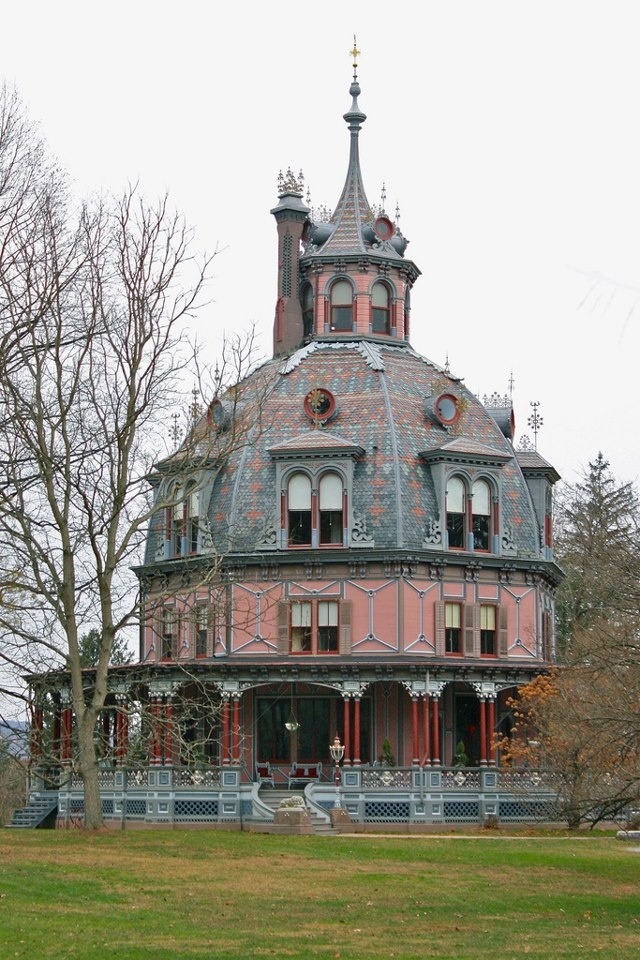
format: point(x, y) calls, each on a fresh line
point(355, 53)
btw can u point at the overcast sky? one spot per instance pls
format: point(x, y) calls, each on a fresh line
point(506, 130)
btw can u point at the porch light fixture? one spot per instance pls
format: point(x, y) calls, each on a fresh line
point(292, 724)
point(336, 749)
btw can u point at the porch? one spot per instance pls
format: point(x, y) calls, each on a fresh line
point(223, 797)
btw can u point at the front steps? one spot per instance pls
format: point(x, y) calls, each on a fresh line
point(272, 798)
point(40, 812)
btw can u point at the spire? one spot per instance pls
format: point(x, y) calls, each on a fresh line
point(353, 210)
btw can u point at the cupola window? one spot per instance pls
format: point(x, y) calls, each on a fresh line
point(455, 513)
point(331, 502)
point(481, 510)
point(299, 510)
point(380, 315)
point(342, 306)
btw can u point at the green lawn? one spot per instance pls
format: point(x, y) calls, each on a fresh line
point(156, 895)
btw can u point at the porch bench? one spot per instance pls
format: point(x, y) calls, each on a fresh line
point(304, 773)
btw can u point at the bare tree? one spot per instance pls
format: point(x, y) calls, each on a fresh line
point(92, 304)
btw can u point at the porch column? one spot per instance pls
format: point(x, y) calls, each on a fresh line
point(491, 728)
point(347, 730)
point(356, 731)
point(37, 724)
point(235, 750)
point(225, 731)
point(156, 733)
point(122, 729)
point(415, 759)
point(435, 730)
point(66, 734)
point(106, 731)
point(483, 732)
point(168, 730)
point(426, 705)
point(56, 744)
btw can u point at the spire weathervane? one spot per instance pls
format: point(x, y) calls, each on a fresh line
point(355, 53)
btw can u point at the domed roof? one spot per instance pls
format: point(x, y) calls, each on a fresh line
point(381, 422)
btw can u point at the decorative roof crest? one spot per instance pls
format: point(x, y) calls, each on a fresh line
point(289, 184)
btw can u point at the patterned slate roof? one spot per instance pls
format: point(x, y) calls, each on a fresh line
point(380, 411)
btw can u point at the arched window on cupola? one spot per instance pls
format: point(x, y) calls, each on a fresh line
point(341, 295)
point(299, 510)
point(481, 514)
point(306, 302)
point(380, 308)
point(455, 513)
point(331, 509)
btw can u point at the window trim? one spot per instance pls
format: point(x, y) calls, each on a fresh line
point(385, 311)
point(333, 306)
point(315, 513)
point(313, 604)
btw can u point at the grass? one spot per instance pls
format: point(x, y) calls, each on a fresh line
point(188, 894)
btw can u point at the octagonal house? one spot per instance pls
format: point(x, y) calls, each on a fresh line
point(347, 545)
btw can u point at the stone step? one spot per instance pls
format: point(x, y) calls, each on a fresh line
point(272, 798)
point(35, 813)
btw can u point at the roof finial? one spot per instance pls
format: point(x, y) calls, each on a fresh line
point(355, 53)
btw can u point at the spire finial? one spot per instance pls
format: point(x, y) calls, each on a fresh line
point(355, 53)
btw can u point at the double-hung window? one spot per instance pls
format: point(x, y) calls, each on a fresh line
point(452, 628)
point(314, 626)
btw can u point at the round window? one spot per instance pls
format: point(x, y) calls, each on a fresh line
point(383, 228)
point(447, 408)
point(319, 404)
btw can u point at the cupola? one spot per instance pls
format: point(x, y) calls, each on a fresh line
point(341, 274)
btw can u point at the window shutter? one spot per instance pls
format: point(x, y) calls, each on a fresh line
point(472, 630)
point(439, 607)
point(503, 649)
point(344, 613)
point(283, 627)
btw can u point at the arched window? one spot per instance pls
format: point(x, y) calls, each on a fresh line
point(481, 512)
point(307, 309)
point(177, 521)
point(299, 510)
point(380, 315)
point(330, 495)
point(342, 306)
point(455, 513)
point(192, 511)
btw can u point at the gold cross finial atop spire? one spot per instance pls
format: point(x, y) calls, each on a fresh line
point(355, 53)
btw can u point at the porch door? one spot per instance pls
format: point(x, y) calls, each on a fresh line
point(314, 734)
point(467, 727)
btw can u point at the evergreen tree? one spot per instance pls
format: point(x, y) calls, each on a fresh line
point(598, 547)
point(90, 645)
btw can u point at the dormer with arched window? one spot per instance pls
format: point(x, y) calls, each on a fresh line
point(470, 514)
point(314, 509)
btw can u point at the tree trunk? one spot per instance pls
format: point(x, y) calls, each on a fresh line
point(93, 819)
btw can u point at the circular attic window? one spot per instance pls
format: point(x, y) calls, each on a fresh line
point(319, 404)
point(447, 409)
point(383, 228)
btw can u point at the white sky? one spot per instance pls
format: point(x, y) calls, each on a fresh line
point(506, 129)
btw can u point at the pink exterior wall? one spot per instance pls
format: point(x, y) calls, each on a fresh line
point(387, 615)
